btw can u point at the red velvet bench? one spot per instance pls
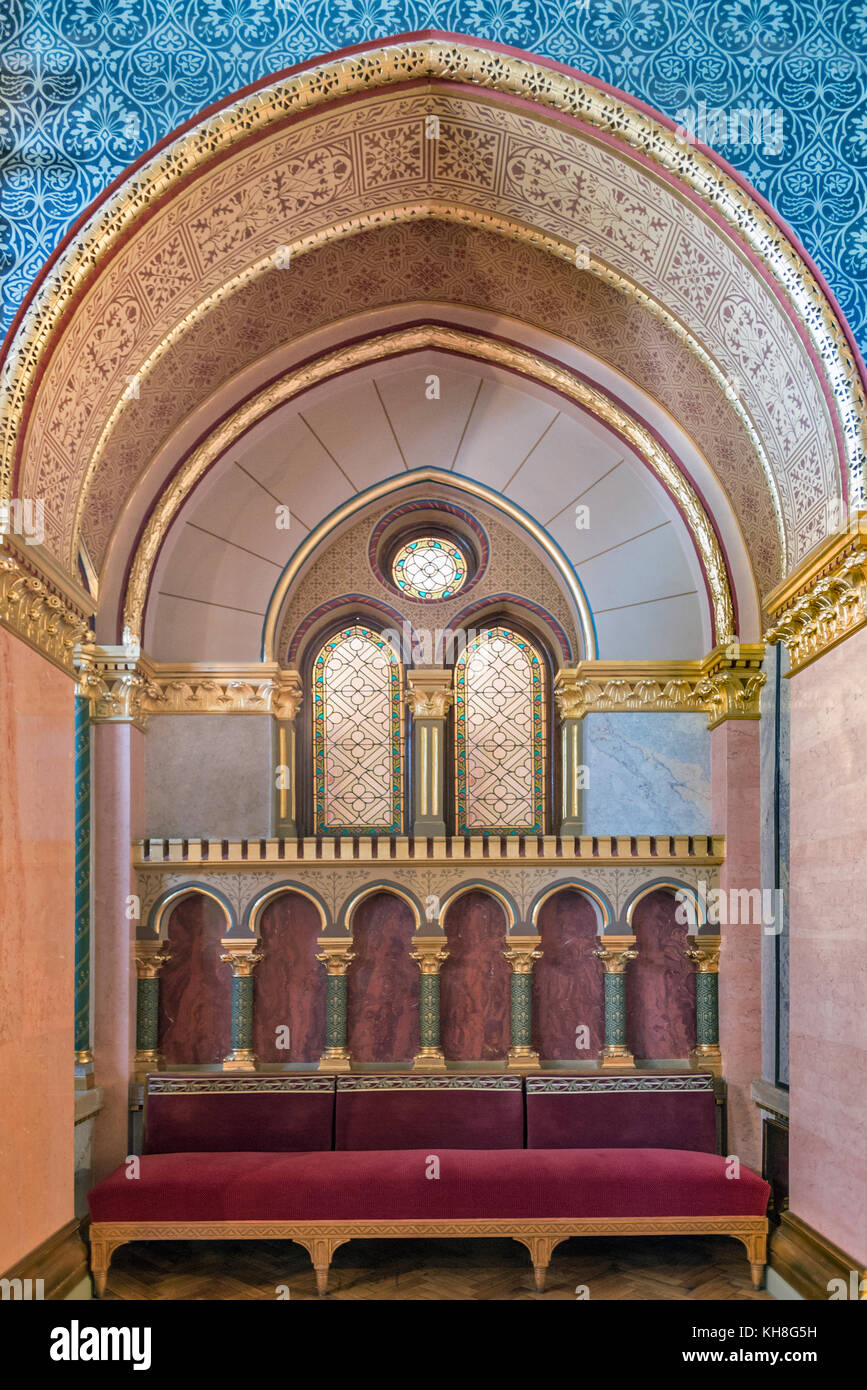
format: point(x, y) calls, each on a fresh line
point(298, 1158)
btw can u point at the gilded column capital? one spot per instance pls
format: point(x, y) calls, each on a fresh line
point(731, 682)
point(824, 600)
point(429, 954)
point(116, 680)
point(336, 956)
point(150, 957)
point(429, 693)
point(38, 610)
point(522, 953)
point(288, 696)
point(242, 956)
point(705, 954)
point(616, 954)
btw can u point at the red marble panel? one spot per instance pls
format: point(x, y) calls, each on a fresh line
point(289, 982)
point(195, 986)
point(660, 983)
point(475, 982)
point(568, 989)
point(382, 983)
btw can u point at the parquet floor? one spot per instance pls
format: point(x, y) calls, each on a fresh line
point(660, 1268)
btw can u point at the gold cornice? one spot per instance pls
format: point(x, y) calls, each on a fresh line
point(114, 679)
point(230, 688)
point(37, 608)
point(376, 349)
point(725, 684)
point(824, 600)
point(435, 59)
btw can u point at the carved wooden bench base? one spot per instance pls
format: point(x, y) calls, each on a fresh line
point(320, 1239)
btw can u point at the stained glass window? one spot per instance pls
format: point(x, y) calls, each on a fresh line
point(358, 735)
point(500, 735)
point(429, 567)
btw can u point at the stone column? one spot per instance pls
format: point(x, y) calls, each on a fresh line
point(243, 958)
point(430, 954)
point(705, 1056)
point(615, 955)
point(337, 956)
point(429, 697)
point(83, 1052)
point(571, 706)
point(287, 702)
point(150, 957)
point(113, 680)
point(521, 955)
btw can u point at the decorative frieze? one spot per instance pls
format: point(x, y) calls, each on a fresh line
point(824, 600)
point(242, 688)
point(725, 684)
point(38, 611)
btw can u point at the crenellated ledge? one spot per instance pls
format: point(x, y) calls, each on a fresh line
point(592, 850)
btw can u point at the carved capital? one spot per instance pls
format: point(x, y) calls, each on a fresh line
point(336, 956)
point(429, 694)
point(242, 957)
point(429, 954)
point(823, 602)
point(37, 611)
point(522, 954)
point(616, 954)
point(705, 955)
point(115, 680)
point(150, 957)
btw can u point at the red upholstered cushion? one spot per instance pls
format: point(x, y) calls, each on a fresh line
point(393, 1185)
point(458, 1111)
point(630, 1112)
point(218, 1114)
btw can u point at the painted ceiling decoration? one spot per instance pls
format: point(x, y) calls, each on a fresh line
point(524, 151)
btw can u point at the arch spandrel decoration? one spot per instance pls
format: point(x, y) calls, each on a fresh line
point(500, 735)
point(573, 111)
point(358, 735)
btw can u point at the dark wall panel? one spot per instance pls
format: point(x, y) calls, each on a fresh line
point(289, 982)
point(568, 990)
point(383, 983)
point(195, 1024)
point(475, 1003)
point(660, 983)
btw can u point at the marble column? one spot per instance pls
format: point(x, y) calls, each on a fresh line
point(429, 698)
point(83, 1050)
point(521, 954)
point(705, 1056)
point(243, 958)
point(287, 703)
point(150, 957)
point(569, 699)
point(337, 956)
point(429, 954)
point(615, 955)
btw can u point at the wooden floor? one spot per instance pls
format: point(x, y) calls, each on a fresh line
point(664, 1267)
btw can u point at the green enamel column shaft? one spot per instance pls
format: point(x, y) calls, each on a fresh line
point(429, 1011)
point(242, 1013)
point(335, 1011)
point(707, 1008)
point(147, 1014)
point(615, 1009)
point(82, 875)
point(522, 988)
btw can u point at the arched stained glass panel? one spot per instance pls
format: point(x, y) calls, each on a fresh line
point(500, 735)
point(358, 735)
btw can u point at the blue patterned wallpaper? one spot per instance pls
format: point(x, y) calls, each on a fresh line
point(88, 85)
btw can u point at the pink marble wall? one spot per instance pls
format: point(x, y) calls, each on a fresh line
point(117, 799)
point(382, 983)
point(195, 986)
point(475, 982)
point(828, 939)
point(36, 933)
point(660, 983)
point(289, 982)
point(736, 812)
point(568, 981)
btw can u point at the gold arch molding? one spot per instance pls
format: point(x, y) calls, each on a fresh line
point(381, 348)
point(435, 58)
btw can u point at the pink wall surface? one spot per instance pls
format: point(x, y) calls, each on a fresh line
point(828, 943)
point(736, 812)
point(117, 799)
point(36, 949)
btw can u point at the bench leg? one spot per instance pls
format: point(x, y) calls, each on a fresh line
point(757, 1254)
point(541, 1249)
point(321, 1249)
point(101, 1251)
